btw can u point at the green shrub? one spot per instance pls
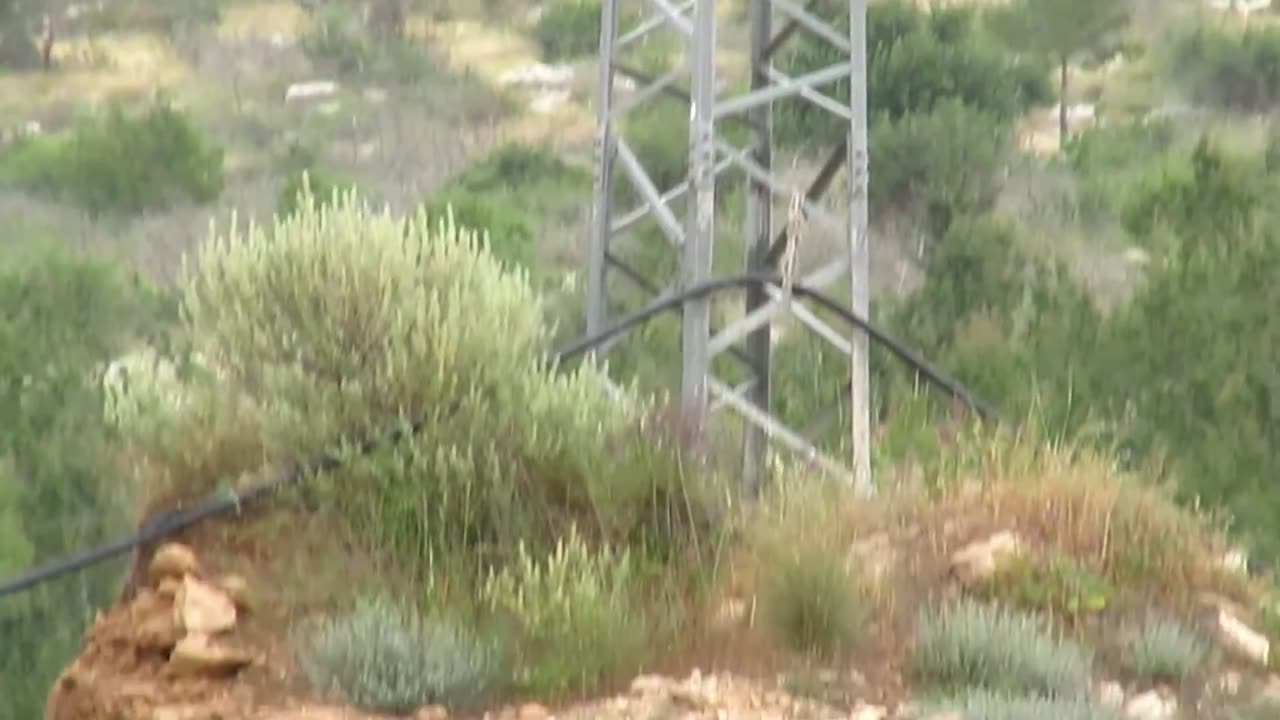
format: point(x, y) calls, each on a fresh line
point(507, 449)
point(578, 615)
point(997, 706)
point(916, 59)
point(517, 167)
point(1206, 193)
point(505, 230)
point(512, 197)
point(569, 29)
point(658, 133)
point(383, 657)
point(1061, 585)
point(1108, 159)
point(942, 164)
point(812, 601)
point(1236, 71)
point(971, 645)
point(122, 165)
point(62, 321)
point(1166, 651)
point(322, 187)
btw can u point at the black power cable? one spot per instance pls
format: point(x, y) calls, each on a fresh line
point(170, 523)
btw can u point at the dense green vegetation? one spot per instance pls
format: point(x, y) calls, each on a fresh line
point(535, 572)
point(61, 487)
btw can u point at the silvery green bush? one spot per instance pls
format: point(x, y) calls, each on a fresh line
point(970, 645)
point(1166, 650)
point(383, 657)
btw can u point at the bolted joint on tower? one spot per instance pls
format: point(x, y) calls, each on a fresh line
point(682, 212)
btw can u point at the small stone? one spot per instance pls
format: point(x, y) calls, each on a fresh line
point(1109, 694)
point(203, 609)
point(978, 561)
point(236, 588)
point(1242, 639)
point(533, 711)
point(1151, 705)
point(432, 712)
point(169, 587)
point(650, 685)
point(173, 560)
point(868, 712)
point(196, 654)
point(1271, 692)
point(1229, 683)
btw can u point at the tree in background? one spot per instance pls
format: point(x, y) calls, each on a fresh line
point(1059, 30)
point(61, 321)
point(17, 48)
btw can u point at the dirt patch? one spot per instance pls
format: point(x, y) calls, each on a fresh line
point(91, 72)
point(263, 21)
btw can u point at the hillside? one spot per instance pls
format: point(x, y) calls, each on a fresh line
point(244, 235)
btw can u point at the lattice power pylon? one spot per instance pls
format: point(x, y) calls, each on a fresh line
point(687, 212)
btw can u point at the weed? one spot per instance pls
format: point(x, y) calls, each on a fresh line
point(1061, 585)
point(971, 645)
point(1166, 651)
point(383, 657)
point(576, 612)
point(811, 600)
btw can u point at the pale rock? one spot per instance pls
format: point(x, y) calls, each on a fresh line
point(309, 90)
point(1236, 561)
point(978, 561)
point(1271, 692)
point(188, 712)
point(1151, 705)
point(538, 75)
point(650, 685)
point(1109, 694)
point(1136, 256)
point(868, 712)
point(236, 588)
point(169, 587)
point(201, 608)
point(196, 654)
point(548, 100)
point(173, 560)
point(533, 711)
point(151, 620)
point(1229, 683)
point(432, 712)
point(1242, 639)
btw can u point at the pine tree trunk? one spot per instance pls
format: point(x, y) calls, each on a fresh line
point(1063, 130)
